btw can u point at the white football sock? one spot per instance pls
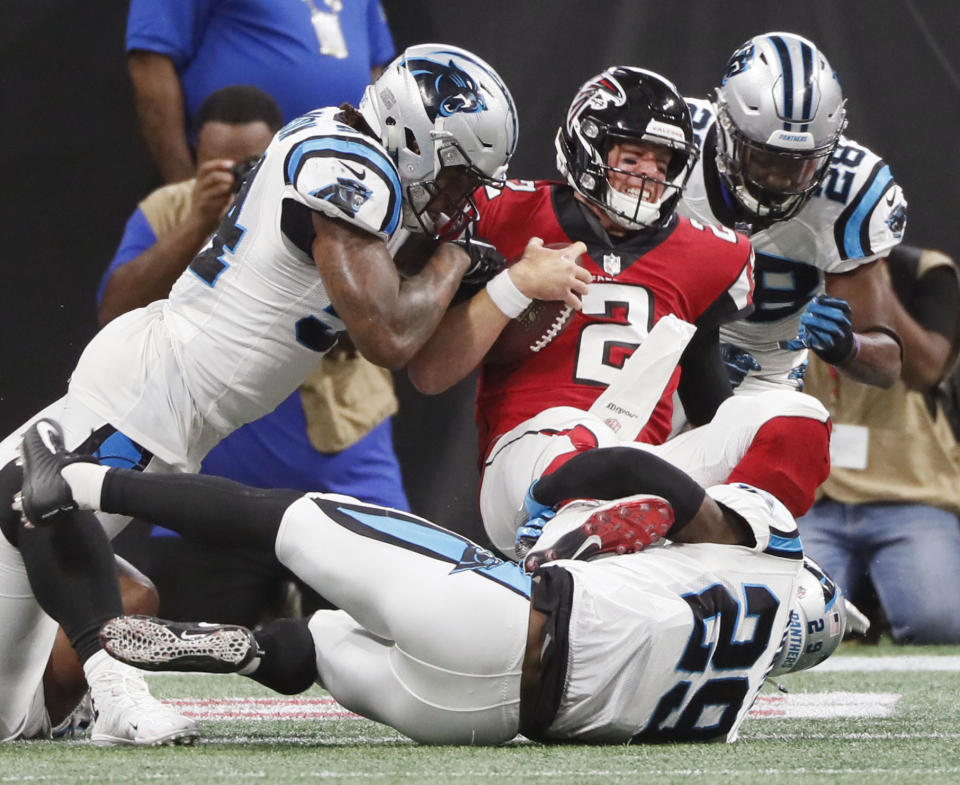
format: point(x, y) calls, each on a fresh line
point(85, 481)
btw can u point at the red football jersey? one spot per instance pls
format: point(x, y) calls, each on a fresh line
point(702, 274)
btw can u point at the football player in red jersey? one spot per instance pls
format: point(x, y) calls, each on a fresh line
point(626, 149)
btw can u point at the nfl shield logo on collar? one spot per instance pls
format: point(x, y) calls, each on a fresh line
point(611, 264)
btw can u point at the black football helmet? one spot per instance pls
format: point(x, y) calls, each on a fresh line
point(626, 104)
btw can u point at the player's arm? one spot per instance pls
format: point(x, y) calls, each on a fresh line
point(147, 276)
point(704, 383)
point(876, 355)
point(469, 329)
point(158, 97)
point(926, 318)
point(704, 380)
point(388, 318)
point(615, 472)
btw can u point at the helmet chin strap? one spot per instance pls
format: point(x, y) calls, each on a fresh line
point(622, 206)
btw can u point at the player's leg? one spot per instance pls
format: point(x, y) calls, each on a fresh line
point(456, 614)
point(439, 625)
point(71, 569)
point(669, 504)
point(756, 439)
point(28, 635)
point(64, 684)
point(382, 680)
point(526, 453)
point(28, 632)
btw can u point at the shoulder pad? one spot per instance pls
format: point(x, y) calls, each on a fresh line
point(859, 210)
point(342, 173)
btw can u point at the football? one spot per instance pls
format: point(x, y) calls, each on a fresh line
point(532, 330)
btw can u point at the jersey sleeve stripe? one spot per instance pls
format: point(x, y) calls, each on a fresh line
point(852, 229)
point(358, 151)
point(416, 534)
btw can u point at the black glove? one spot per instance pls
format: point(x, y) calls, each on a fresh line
point(485, 262)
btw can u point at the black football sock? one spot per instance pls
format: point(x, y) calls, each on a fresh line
point(614, 472)
point(72, 572)
point(289, 663)
point(11, 479)
point(205, 509)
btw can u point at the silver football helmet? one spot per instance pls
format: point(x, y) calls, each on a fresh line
point(625, 104)
point(818, 620)
point(443, 115)
point(780, 113)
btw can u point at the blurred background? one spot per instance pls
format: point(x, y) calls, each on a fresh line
point(74, 167)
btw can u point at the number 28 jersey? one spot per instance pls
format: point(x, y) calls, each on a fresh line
point(250, 318)
point(701, 273)
point(857, 215)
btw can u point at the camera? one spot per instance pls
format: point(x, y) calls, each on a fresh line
point(242, 169)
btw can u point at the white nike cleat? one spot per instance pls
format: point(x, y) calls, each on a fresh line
point(585, 528)
point(124, 711)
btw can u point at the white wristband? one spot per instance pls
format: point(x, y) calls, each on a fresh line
point(506, 296)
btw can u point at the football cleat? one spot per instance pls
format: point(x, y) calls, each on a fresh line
point(76, 723)
point(124, 711)
point(45, 493)
point(158, 645)
point(586, 528)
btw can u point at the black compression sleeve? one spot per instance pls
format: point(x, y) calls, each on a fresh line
point(206, 509)
point(289, 663)
point(704, 383)
point(73, 575)
point(613, 472)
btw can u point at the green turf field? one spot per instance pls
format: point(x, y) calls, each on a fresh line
point(871, 714)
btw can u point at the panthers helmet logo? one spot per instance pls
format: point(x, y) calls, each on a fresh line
point(446, 89)
point(739, 62)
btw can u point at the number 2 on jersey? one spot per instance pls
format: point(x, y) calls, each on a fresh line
point(624, 312)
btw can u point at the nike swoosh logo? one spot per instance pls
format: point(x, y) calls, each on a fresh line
point(593, 539)
point(186, 635)
point(361, 175)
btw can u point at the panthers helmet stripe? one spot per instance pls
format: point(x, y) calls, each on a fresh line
point(806, 54)
point(786, 71)
point(797, 93)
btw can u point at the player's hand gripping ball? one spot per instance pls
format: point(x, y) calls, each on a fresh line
point(534, 329)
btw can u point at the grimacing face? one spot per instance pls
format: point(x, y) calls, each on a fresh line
point(639, 169)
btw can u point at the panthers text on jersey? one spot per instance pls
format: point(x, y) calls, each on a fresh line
point(701, 273)
point(856, 215)
point(249, 319)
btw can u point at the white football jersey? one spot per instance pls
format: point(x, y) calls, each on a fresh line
point(674, 643)
point(250, 318)
point(856, 215)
